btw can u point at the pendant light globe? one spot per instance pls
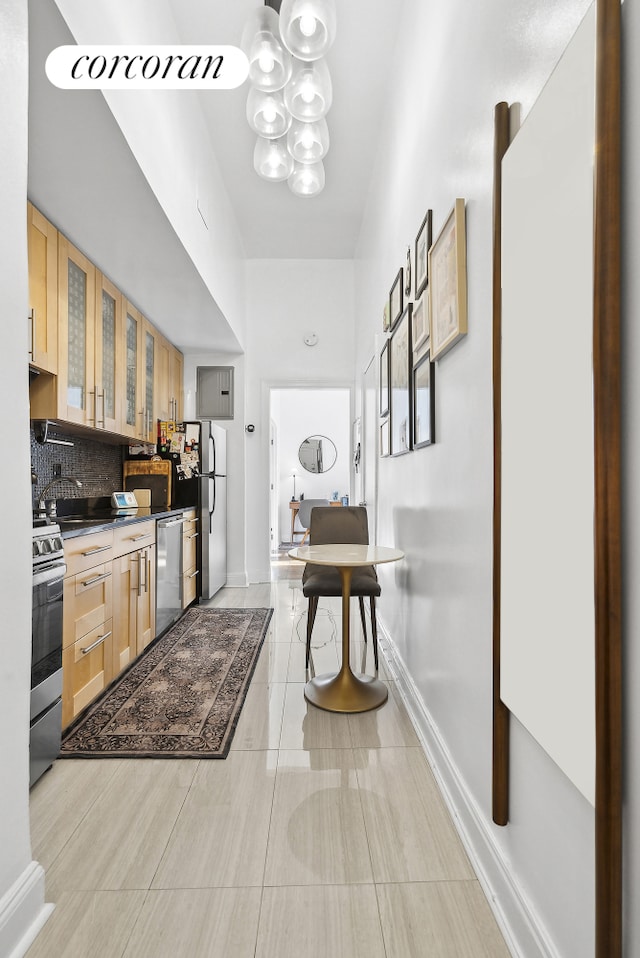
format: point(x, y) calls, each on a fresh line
point(308, 142)
point(309, 92)
point(267, 114)
point(308, 27)
point(271, 159)
point(307, 179)
point(269, 62)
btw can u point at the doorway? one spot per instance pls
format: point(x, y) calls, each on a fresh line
point(320, 418)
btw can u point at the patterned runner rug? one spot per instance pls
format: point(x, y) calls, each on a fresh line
point(182, 698)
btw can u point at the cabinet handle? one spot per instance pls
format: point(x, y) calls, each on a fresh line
point(194, 536)
point(93, 552)
point(94, 645)
point(32, 318)
point(97, 578)
point(100, 396)
point(193, 574)
point(148, 574)
point(144, 535)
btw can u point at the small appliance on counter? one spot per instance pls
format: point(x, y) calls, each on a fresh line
point(124, 503)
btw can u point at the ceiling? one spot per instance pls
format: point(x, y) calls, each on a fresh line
point(272, 221)
point(75, 148)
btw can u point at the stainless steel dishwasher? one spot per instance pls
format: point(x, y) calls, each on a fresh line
point(168, 572)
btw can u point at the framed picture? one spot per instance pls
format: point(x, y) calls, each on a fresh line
point(396, 301)
point(420, 327)
point(399, 379)
point(421, 258)
point(386, 322)
point(424, 420)
point(384, 379)
point(384, 438)
point(448, 283)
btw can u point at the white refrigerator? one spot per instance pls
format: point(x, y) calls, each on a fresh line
point(212, 508)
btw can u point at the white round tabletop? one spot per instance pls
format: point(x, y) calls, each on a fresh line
point(348, 554)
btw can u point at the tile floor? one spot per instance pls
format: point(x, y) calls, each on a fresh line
point(320, 835)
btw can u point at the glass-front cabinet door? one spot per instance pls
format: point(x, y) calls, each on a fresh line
point(149, 351)
point(76, 373)
point(131, 414)
point(107, 374)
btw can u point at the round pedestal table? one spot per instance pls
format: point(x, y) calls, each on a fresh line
point(344, 691)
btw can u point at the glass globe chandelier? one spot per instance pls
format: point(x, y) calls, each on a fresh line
point(291, 90)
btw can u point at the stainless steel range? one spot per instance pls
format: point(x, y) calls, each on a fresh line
point(46, 647)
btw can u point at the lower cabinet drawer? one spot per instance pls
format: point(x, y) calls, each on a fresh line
point(87, 602)
point(87, 669)
point(189, 580)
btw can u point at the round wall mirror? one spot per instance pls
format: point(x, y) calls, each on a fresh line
point(317, 454)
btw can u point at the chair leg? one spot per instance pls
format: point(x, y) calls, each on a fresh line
point(311, 617)
point(374, 630)
point(362, 618)
point(306, 533)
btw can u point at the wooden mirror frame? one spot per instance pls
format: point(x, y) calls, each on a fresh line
point(607, 517)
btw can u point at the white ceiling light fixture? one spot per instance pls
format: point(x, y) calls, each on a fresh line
point(269, 62)
point(308, 142)
point(267, 114)
point(307, 179)
point(272, 160)
point(290, 95)
point(309, 92)
point(308, 27)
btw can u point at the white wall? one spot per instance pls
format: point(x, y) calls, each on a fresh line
point(298, 414)
point(285, 300)
point(21, 880)
point(436, 503)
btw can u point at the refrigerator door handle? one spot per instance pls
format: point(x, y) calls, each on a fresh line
point(213, 505)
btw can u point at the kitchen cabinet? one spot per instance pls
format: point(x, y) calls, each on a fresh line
point(103, 364)
point(43, 291)
point(87, 633)
point(137, 415)
point(176, 376)
point(169, 373)
point(190, 536)
point(147, 385)
point(108, 373)
point(134, 573)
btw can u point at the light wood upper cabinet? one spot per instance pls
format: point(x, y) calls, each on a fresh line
point(104, 365)
point(169, 370)
point(43, 291)
point(109, 374)
point(130, 418)
point(176, 376)
point(148, 381)
point(76, 334)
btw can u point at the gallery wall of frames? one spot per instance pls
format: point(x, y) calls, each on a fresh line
point(424, 316)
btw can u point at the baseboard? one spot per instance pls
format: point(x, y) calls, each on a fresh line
point(23, 912)
point(522, 928)
point(257, 576)
point(237, 580)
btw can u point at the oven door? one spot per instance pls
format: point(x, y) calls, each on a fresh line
point(46, 648)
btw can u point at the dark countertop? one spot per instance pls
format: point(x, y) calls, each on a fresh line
point(72, 526)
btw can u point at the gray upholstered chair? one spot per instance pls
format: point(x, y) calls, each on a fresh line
point(304, 514)
point(347, 524)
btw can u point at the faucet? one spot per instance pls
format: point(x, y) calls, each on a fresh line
point(42, 506)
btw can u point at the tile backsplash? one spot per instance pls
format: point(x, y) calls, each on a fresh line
point(97, 465)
